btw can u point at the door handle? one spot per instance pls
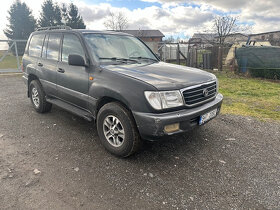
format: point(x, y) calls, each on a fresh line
point(60, 70)
point(40, 64)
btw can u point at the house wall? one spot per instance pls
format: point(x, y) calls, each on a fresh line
point(272, 37)
point(236, 38)
point(152, 42)
point(151, 39)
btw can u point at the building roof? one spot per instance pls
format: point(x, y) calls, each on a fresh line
point(265, 33)
point(204, 36)
point(144, 33)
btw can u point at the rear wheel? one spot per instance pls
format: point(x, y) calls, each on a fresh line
point(117, 130)
point(38, 97)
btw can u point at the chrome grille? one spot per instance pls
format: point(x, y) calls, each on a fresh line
point(199, 94)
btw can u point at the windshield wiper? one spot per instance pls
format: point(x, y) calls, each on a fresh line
point(145, 58)
point(123, 60)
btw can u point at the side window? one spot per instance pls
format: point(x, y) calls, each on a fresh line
point(71, 45)
point(53, 46)
point(36, 44)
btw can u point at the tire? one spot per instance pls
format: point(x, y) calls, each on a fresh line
point(38, 97)
point(122, 140)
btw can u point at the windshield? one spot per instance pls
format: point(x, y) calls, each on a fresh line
point(118, 48)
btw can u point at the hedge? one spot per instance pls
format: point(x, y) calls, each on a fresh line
point(265, 73)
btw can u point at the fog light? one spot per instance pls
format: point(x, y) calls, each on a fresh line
point(171, 128)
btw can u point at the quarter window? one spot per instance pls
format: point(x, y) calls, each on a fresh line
point(53, 46)
point(35, 46)
point(71, 45)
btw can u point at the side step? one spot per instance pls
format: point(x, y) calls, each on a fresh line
point(70, 108)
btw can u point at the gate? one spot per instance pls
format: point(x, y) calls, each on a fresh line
point(12, 55)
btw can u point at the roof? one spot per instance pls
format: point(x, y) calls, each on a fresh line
point(144, 33)
point(204, 36)
point(235, 34)
point(265, 33)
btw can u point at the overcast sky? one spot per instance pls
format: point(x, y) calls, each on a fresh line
point(178, 18)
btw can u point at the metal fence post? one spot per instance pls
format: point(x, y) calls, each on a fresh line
point(18, 65)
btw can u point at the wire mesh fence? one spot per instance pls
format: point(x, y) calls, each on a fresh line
point(11, 52)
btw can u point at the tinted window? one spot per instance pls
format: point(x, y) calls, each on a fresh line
point(35, 46)
point(71, 45)
point(53, 46)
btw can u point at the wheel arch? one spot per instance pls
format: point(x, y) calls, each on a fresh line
point(107, 99)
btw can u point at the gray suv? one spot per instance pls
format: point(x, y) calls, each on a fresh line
point(114, 79)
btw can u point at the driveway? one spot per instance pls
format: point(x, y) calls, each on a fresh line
point(55, 161)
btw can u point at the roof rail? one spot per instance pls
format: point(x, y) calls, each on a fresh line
point(54, 27)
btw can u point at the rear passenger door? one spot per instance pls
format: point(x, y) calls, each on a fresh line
point(33, 54)
point(48, 63)
point(72, 81)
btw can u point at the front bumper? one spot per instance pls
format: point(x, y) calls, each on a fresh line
point(152, 125)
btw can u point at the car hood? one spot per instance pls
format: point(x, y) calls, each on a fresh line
point(163, 76)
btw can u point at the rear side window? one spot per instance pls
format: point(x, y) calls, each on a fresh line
point(36, 44)
point(53, 46)
point(71, 45)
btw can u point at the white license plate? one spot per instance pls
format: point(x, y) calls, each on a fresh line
point(208, 116)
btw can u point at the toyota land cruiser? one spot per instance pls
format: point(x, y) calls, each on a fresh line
point(114, 79)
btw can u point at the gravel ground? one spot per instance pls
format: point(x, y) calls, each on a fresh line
point(55, 161)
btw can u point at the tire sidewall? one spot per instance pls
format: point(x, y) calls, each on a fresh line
point(35, 84)
point(126, 147)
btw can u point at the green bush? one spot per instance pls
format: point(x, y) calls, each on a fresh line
point(265, 73)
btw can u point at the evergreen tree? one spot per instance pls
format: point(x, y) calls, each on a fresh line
point(21, 24)
point(73, 19)
point(64, 14)
point(50, 15)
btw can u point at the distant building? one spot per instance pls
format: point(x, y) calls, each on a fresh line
point(208, 39)
point(235, 38)
point(152, 38)
point(273, 37)
point(203, 39)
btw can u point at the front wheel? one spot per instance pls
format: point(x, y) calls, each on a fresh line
point(117, 130)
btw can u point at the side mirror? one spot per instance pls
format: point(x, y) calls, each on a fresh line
point(76, 60)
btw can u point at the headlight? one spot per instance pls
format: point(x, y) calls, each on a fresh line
point(164, 99)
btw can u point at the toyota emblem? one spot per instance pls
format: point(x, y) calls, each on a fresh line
point(205, 92)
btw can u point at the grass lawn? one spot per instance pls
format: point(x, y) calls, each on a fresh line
point(9, 62)
point(249, 96)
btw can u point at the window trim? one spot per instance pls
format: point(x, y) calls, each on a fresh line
point(45, 37)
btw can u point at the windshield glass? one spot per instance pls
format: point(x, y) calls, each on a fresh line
point(108, 48)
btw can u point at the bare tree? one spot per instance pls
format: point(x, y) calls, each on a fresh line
point(224, 27)
point(116, 22)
